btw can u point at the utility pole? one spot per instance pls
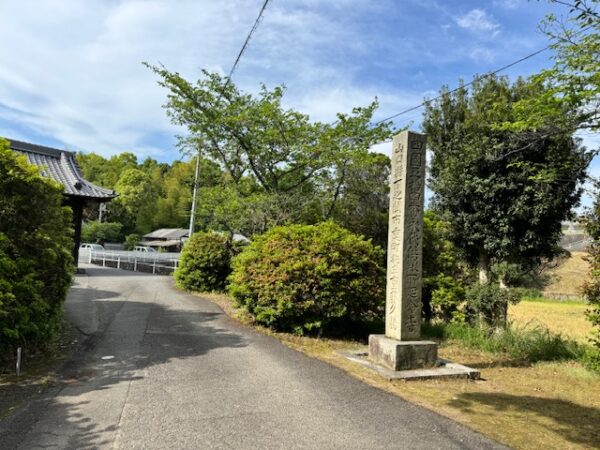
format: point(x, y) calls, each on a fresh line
point(101, 210)
point(193, 216)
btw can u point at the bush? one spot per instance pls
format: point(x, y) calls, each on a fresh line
point(100, 232)
point(591, 359)
point(447, 297)
point(489, 303)
point(35, 253)
point(524, 292)
point(310, 278)
point(205, 262)
point(131, 240)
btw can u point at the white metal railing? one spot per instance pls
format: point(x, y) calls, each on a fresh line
point(161, 263)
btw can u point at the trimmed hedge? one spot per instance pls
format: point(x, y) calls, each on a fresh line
point(205, 262)
point(310, 278)
point(35, 253)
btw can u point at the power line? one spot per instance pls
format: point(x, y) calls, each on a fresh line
point(252, 30)
point(489, 74)
point(235, 64)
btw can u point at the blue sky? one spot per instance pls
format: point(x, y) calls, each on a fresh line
point(71, 73)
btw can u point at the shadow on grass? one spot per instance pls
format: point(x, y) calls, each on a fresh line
point(575, 423)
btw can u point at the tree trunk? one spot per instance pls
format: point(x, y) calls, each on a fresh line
point(501, 283)
point(484, 268)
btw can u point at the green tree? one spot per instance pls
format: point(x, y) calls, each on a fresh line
point(503, 192)
point(35, 252)
point(360, 200)
point(136, 205)
point(106, 172)
point(444, 271)
point(266, 150)
point(100, 232)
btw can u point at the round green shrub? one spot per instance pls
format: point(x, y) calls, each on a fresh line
point(489, 302)
point(309, 278)
point(205, 262)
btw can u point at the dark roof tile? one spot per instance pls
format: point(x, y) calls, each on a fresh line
point(61, 166)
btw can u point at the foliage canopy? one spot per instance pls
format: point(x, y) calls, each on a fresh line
point(504, 192)
point(309, 278)
point(35, 252)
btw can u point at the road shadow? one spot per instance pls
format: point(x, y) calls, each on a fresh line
point(107, 361)
point(576, 423)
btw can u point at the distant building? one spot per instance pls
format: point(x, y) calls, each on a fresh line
point(172, 239)
point(574, 238)
point(61, 166)
point(167, 239)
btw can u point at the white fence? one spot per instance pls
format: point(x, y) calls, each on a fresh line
point(156, 263)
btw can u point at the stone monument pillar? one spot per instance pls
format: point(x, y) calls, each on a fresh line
point(400, 347)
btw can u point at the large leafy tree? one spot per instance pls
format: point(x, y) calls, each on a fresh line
point(361, 186)
point(276, 157)
point(504, 192)
point(35, 252)
point(136, 205)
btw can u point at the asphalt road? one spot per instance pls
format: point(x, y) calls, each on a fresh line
point(161, 369)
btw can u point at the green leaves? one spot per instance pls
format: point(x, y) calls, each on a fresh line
point(205, 262)
point(35, 252)
point(271, 156)
point(504, 191)
point(304, 278)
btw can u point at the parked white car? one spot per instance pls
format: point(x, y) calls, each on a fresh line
point(94, 247)
point(144, 249)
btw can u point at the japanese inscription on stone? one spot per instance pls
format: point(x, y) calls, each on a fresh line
point(407, 186)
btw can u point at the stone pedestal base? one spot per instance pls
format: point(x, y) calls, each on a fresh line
point(402, 355)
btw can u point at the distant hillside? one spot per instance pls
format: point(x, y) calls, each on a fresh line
point(566, 278)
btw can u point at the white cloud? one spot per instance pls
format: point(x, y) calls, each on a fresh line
point(478, 21)
point(507, 4)
point(480, 54)
point(76, 74)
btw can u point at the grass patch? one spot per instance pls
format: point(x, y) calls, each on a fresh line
point(39, 369)
point(578, 301)
point(568, 276)
point(560, 317)
point(524, 344)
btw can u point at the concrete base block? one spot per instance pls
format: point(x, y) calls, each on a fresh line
point(402, 355)
point(443, 369)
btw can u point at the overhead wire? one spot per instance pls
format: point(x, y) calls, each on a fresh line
point(225, 86)
point(462, 86)
point(475, 79)
point(243, 49)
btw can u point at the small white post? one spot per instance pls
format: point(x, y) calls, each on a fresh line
point(18, 361)
point(90, 261)
point(119, 262)
point(135, 263)
point(103, 259)
point(154, 266)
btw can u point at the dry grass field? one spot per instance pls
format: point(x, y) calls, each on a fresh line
point(566, 318)
point(568, 276)
point(545, 405)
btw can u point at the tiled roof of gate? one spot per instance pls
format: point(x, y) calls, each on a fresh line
point(61, 166)
point(168, 233)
